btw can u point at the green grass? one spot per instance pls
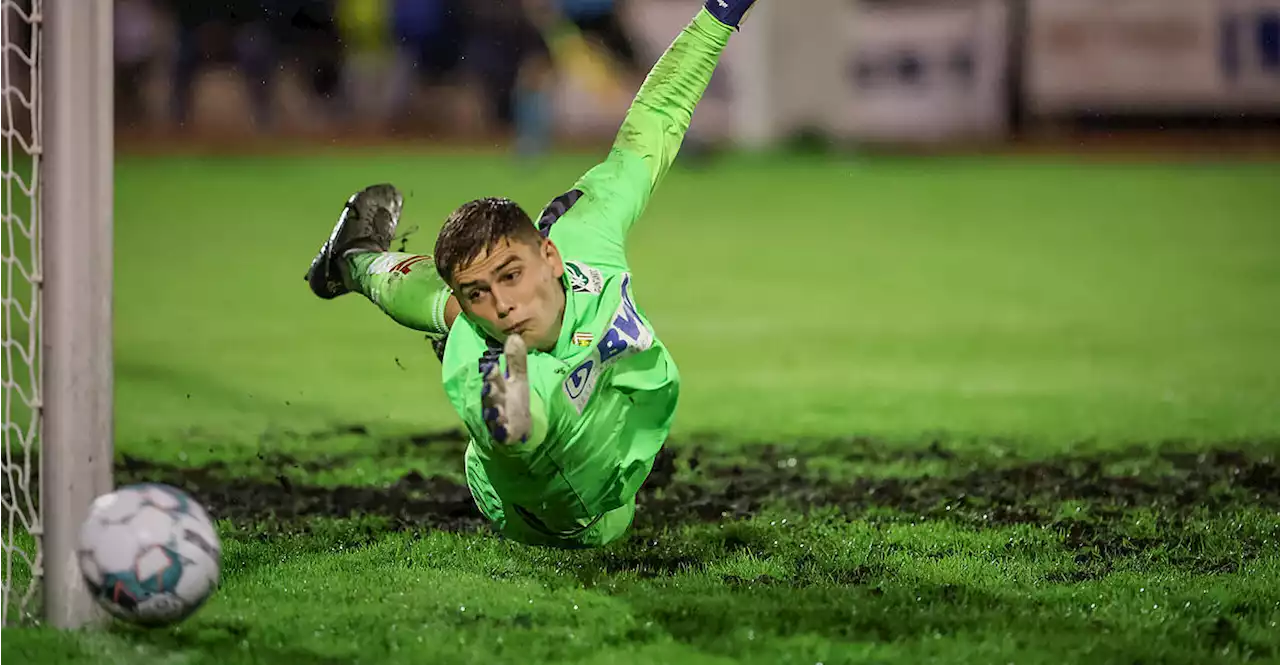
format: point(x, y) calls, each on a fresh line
point(1010, 310)
point(1014, 298)
point(925, 591)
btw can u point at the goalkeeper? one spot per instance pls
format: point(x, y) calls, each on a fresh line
point(564, 387)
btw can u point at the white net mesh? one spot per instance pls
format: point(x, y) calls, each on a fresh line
point(20, 283)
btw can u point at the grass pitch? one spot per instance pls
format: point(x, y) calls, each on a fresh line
point(935, 410)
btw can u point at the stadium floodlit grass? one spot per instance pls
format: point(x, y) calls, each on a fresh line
point(953, 410)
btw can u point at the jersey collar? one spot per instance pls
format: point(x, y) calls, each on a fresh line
point(564, 345)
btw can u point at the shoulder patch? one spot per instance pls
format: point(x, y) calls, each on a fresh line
point(583, 278)
point(556, 209)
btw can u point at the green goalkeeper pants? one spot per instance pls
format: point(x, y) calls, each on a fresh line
point(517, 524)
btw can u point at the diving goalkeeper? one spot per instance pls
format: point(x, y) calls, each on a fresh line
point(563, 385)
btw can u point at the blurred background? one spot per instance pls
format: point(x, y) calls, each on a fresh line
point(1108, 265)
point(537, 74)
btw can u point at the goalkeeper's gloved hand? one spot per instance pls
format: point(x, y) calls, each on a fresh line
point(504, 399)
point(731, 12)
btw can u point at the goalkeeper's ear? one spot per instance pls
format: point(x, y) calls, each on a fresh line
point(730, 12)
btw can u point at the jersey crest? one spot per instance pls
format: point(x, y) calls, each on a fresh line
point(583, 278)
point(626, 336)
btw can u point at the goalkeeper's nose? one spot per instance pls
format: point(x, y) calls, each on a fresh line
point(504, 303)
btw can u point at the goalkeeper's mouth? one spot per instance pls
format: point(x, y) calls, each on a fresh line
point(517, 328)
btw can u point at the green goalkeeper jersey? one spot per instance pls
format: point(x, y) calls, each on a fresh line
point(604, 398)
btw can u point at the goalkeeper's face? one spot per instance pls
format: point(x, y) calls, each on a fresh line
point(514, 288)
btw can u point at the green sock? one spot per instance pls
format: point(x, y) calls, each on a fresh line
point(406, 287)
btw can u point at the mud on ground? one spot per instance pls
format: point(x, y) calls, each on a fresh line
point(689, 485)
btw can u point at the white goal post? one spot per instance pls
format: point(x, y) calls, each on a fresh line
point(57, 107)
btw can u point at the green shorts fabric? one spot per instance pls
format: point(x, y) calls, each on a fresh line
point(517, 524)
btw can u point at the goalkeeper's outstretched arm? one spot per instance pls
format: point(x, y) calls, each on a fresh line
point(656, 123)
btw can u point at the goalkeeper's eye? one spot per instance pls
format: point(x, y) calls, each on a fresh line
point(511, 276)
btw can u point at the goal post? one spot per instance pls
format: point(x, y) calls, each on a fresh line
point(58, 198)
point(77, 201)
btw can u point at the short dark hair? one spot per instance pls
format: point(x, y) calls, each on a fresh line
point(479, 226)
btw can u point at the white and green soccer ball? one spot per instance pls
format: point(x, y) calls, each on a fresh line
point(149, 554)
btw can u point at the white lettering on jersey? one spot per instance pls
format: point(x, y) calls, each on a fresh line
point(626, 335)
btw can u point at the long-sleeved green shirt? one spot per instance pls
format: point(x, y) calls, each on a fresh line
point(604, 398)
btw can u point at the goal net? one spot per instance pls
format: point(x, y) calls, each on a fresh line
point(55, 287)
point(20, 284)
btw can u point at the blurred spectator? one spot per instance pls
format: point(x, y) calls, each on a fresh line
point(601, 21)
point(365, 29)
point(510, 57)
point(308, 30)
point(237, 31)
point(363, 60)
point(429, 42)
point(135, 55)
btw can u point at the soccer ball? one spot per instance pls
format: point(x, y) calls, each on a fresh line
point(149, 554)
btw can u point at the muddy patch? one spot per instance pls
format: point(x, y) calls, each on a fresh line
point(688, 485)
point(999, 494)
point(412, 501)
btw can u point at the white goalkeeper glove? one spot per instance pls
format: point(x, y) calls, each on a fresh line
point(504, 399)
